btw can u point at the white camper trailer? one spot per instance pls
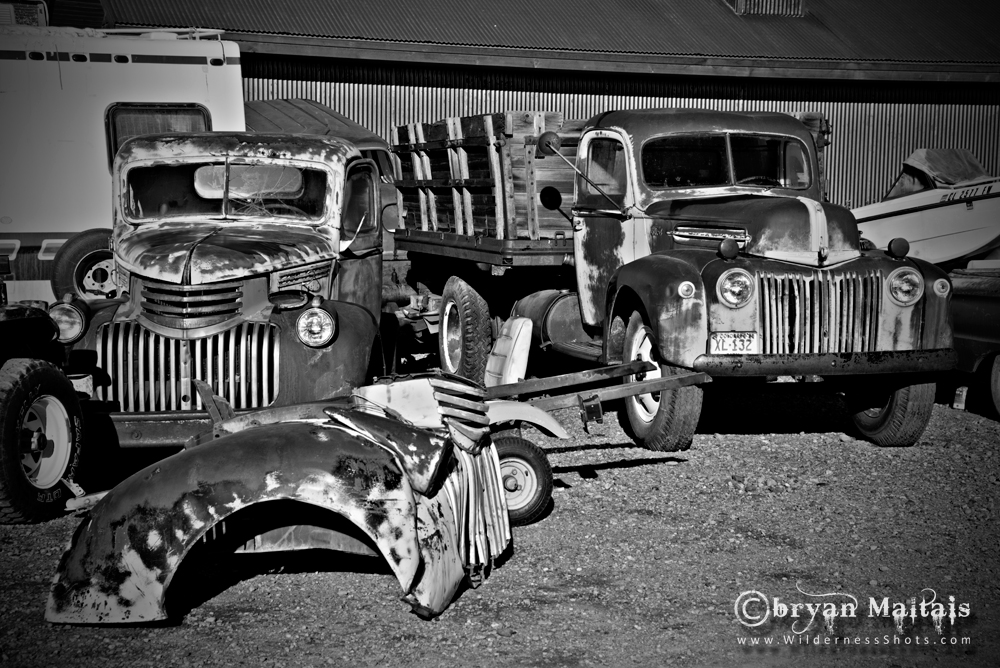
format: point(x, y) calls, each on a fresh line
point(68, 99)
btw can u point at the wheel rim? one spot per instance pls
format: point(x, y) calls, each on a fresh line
point(93, 274)
point(640, 348)
point(451, 330)
point(45, 442)
point(520, 483)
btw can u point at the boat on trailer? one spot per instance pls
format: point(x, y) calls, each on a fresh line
point(943, 203)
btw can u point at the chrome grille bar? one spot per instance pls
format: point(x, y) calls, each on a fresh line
point(150, 372)
point(820, 312)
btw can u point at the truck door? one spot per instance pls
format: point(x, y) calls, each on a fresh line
point(603, 238)
point(359, 278)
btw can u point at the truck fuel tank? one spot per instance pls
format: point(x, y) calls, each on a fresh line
point(555, 318)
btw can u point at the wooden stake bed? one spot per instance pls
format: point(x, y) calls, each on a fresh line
point(472, 183)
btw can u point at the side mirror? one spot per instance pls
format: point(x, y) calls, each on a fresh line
point(550, 198)
point(549, 143)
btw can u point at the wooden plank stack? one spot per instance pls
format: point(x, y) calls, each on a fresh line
point(481, 175)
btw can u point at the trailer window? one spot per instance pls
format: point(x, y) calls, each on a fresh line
point(685, 161)
point(124, 121)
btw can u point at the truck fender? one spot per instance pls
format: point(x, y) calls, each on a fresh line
point(125, 554)
point(679, 324)
point(515, 411)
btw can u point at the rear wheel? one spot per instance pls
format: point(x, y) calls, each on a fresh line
point(465, 337)
point(40, 439)
point(894, 418)
point(526, 477)
point(663, 421)
point(83, 266)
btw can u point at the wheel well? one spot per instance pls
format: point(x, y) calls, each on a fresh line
point(241, 546)
point(626, 301)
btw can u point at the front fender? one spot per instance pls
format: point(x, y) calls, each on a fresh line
point(680, 325)
point(515, 411)
point(125, 554)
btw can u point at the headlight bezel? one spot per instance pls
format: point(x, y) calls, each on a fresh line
point(70, 320)
point(721, 283)
point(894, 275)
point(321, 340)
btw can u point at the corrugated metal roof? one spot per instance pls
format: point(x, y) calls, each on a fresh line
point(892, 31)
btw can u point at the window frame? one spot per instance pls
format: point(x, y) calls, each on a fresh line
point(111, 131)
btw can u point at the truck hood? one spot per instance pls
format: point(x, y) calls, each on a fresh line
point(793, 229)
point(193, 254)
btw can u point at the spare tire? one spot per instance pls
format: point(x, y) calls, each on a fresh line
point(466, 333)
point(83, 266)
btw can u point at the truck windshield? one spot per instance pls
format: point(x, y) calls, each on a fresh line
point(702, 160)
point(251, 191)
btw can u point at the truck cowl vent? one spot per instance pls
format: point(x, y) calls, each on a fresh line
point(793, 8)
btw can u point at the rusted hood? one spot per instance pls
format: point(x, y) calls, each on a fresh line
point(193, 254)
point(794, 229)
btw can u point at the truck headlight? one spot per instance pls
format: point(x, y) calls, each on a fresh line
point(735, 288)
point(906, 286)
point(70, 320)
point(315, 327)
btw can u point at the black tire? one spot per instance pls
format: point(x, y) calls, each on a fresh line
point(466, 334)
point(82, 266)
point(893, 419)
point(36, 397)
point(661, 421)
point(526, 477)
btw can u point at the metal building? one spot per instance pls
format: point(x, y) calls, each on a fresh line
point(891, 76)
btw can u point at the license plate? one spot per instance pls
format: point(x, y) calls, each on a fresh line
point(733, 343)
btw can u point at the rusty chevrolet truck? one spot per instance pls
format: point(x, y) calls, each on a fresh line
point(248, 261)
point(696, 240)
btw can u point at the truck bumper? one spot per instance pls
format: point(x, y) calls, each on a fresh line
point(831, 364)
point(159, 430)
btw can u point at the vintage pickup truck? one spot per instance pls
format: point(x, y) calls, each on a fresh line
point(697, 240)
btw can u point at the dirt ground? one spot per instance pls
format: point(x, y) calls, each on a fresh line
point(641, 562)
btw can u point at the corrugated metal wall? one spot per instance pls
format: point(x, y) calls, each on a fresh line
point(870, 139)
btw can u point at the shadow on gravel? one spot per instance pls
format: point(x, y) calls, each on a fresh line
point(771, 408)
point(590, 446)
point(589, 471)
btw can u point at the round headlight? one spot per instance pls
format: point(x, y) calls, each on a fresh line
point(735, 288)
point(315, 327)
point(70, 320)
point(906, 286)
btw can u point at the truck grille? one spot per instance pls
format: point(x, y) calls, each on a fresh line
point(819, 312)
point(190, 306)
point(150, 372)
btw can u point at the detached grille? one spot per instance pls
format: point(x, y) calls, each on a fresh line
point(819, 312)
point(150, 372)
point(190, 306)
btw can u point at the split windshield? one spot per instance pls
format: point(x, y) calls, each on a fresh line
point(704, 160)
point(234, 190)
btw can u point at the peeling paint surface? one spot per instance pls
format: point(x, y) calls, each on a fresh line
point(124, 555)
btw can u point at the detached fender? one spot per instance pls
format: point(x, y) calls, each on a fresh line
point(515, 411)
point(936, 330)
point(680, 325)
point(124, 556)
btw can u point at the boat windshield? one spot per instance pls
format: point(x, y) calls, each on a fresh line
point(716, 159)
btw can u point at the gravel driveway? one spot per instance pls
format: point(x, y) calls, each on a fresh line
point(640, 562)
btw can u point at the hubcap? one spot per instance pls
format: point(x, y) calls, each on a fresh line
point(641, 349)
point(519, 482)
point(451, 330)
point(45, 442)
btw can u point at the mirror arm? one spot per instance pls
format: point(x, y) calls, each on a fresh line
point(555, 151)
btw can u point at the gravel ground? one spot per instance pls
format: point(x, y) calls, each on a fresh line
point(640, 562)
